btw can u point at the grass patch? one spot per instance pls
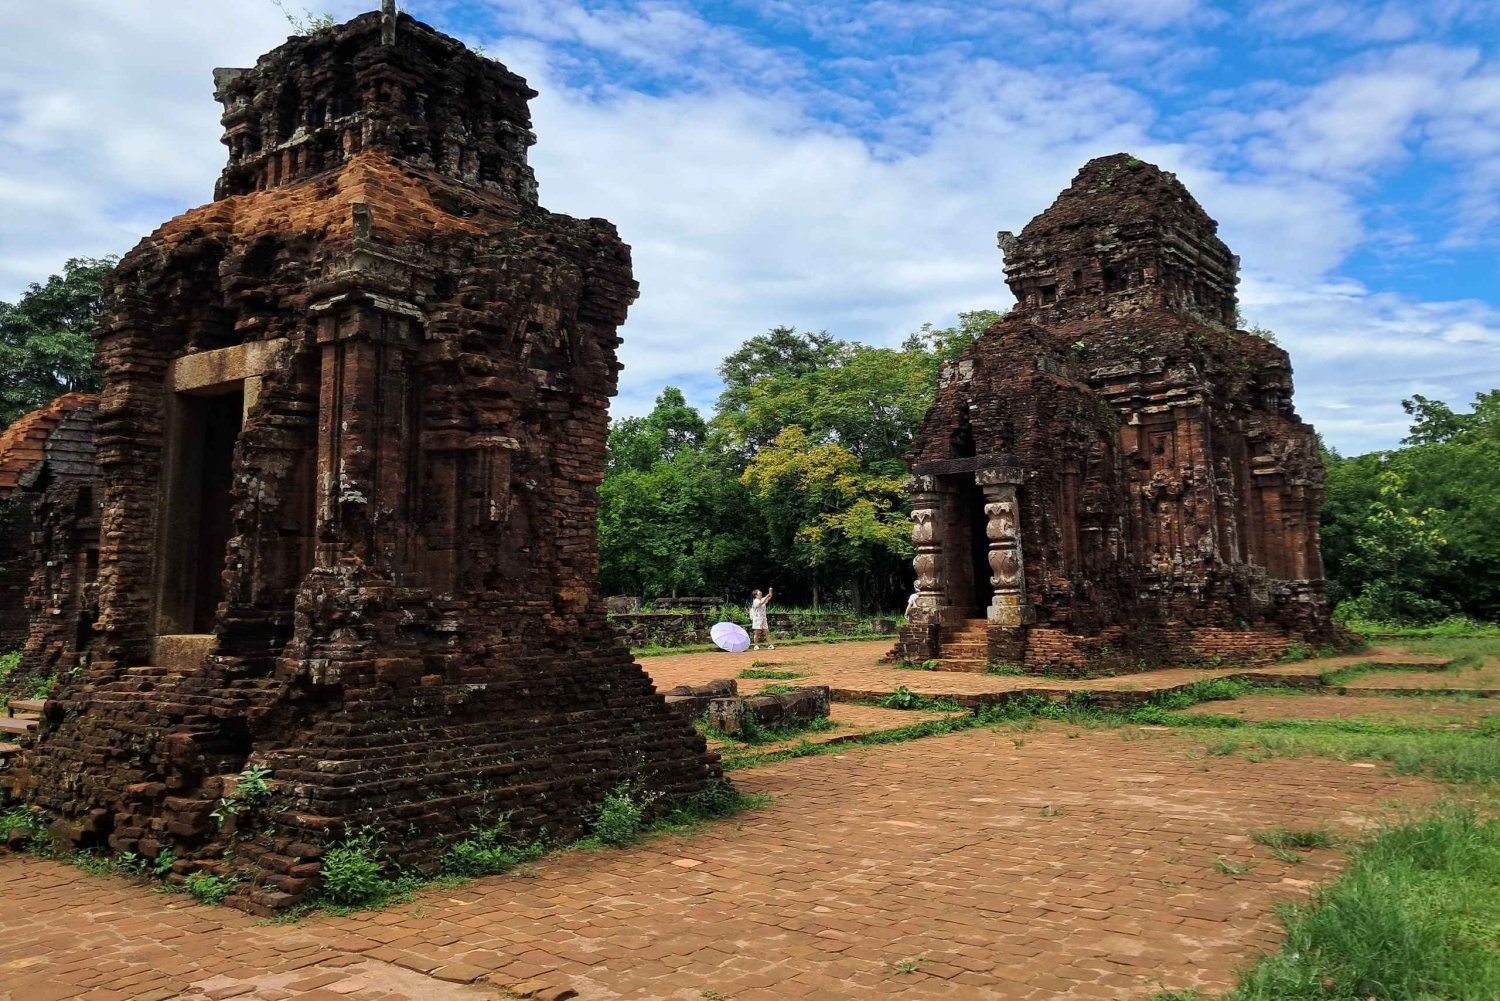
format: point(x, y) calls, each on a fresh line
point(1286, 837)
point(1006, 670)
point(1447, 756)
point(1415, 917)
point(754, 673)
point(753, 731)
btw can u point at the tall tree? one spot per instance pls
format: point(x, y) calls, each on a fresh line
point(45, 343)
point(670, 428)
point(1397, 554)
point(825, 511)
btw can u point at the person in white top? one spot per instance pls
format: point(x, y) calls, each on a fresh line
point(911, 603)
point(760, 629)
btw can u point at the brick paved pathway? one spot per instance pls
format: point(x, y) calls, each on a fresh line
point(854, 668)
point(991, 864)
point(1414, 711)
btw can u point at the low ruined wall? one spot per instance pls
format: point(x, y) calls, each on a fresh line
point(780, 709)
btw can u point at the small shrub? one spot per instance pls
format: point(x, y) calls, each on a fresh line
point(757, 673)
point(8, 663)
point(488, 852)
point(250, 791)
point(901, 698)
point(42, 687)
point(621, 816)
point(352, 873)
point(208, 888)
point(1296, 652)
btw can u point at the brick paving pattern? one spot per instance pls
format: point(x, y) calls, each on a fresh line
point(995, 863)
point(1415, 711)
point(854, 668)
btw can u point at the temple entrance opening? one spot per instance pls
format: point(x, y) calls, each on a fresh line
point(970, 526)
point(198, 510)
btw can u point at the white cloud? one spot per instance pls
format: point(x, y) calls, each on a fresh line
point(862, 193)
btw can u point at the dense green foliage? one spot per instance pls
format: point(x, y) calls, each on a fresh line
point(795, 483)
point(45, 344)
point(1409, 535)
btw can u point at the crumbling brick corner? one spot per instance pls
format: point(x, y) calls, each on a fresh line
point(49, 486)
point(1113, 476)
point(351, 437)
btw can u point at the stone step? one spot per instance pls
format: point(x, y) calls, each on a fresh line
point(25, 706)
point(963, 665)
point(20, 725)
point(9, 750)
point(152, 671)
point(182, 652)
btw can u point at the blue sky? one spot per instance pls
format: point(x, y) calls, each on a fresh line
point(846, 165)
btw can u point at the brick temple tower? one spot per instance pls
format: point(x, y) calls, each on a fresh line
point(1114, 476)
point(351, 435)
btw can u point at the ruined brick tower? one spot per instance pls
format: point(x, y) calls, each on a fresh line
point(1113, 476)
point(351, 435)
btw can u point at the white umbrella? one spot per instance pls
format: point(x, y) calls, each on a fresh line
point(730, 637)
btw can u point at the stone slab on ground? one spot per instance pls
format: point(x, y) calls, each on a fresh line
point(1057, 862)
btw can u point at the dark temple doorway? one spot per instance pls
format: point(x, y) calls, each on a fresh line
point(222, 416)
point(196, 528)
point(981, 592)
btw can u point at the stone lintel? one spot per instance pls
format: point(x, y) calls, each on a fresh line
point(205, 371)
point(969, 464)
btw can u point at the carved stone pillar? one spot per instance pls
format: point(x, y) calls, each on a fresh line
point(928, 562)
point(1009, 606)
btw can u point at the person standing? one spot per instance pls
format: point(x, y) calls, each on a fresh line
point(760, 627)
point(911, 603)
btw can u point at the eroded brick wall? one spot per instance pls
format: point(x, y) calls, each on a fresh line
point(1168, 494)
point(407, 631)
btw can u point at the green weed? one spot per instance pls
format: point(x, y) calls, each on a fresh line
point(750, 673)
point(353, 875)
point(208, 888)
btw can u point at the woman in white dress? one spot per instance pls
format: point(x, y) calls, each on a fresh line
point(760, 629)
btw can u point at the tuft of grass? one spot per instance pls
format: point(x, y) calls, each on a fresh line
point(1286, 837)
point(750, 673)
point(1229, 868)
point(1415, 917)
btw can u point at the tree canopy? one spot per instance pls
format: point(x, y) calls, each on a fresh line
point(1410, 534)
point(46, 347)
